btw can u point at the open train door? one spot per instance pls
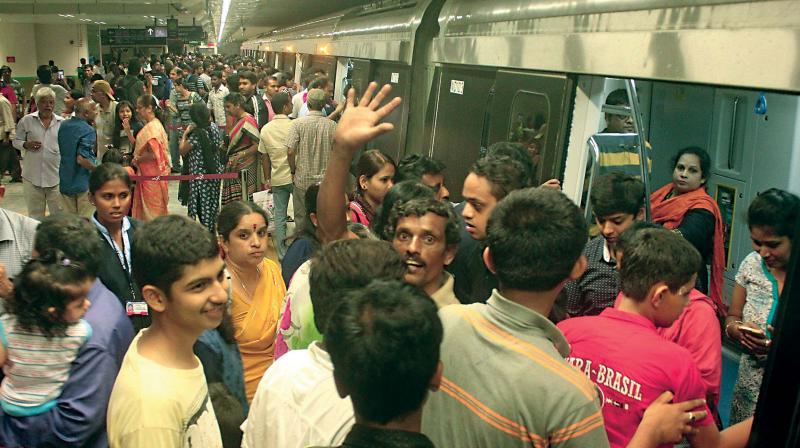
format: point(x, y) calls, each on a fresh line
point(533, 109)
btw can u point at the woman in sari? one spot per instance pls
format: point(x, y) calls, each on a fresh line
point(684, 207)
point(242, 152)
point(257, 287)
point(151, 157)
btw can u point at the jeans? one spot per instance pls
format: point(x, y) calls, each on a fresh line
point(299, 203)
point(280, 197)
point(174, 153)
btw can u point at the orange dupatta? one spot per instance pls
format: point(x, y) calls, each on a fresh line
point(256, 324)
point(150, 198)
point(670, 213)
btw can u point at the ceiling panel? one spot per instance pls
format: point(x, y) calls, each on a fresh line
point(246, 18)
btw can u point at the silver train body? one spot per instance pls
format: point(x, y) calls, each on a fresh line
point(720, 74)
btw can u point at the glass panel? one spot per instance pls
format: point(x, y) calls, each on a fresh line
point(530, 114)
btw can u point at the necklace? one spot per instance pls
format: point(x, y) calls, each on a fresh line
point(241, 281)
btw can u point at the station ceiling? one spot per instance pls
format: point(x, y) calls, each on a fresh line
point(245, 19)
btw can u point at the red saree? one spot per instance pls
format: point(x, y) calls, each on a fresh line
point(670, 213)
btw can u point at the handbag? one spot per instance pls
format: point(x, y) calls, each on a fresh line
point(265, 200)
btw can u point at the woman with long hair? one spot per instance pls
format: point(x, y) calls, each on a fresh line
point(242, 152)
point(772, 218)
point(200, 146)
point(375, 176)
point(151, 157)
point(256, 286)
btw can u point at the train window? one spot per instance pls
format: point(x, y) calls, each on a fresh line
point(530, 113)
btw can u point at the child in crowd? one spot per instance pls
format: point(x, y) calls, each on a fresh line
point(621, 351)
point(126, 127)
point(42, 332)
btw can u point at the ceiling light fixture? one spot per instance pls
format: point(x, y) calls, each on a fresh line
point(226, 5)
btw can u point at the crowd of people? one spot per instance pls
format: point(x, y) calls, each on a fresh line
point(392, 317)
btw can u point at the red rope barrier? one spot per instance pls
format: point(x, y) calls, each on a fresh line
point(185, 177)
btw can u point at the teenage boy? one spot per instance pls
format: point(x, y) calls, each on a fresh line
point(176, 261)
point(489, 180)
point(512, 340)
point(697, 329)
point(621, 350)
point(296, 404)
point(384, 342)
point(617, 202)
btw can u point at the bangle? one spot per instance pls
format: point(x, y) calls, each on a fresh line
point(728, 326)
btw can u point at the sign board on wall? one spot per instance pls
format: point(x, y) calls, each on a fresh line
point(11, 59)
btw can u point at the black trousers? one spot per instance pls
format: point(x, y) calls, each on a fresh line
point(9, 161)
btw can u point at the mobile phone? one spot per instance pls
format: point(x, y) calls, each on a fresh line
point(757, 332)
point(61, 74)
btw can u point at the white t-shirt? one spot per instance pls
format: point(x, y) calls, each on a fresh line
point(156, 406)
point(296, 404)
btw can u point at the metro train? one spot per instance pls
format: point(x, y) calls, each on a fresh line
point(720, 74)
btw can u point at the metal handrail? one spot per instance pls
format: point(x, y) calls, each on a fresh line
point(630, 86)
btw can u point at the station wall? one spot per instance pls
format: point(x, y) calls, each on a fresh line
point(35, 44)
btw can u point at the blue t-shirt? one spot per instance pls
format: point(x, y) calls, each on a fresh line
point(75, 137)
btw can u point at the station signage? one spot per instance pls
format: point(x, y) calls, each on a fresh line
point(151, 35)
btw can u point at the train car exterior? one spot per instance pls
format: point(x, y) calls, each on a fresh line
point(473, 73)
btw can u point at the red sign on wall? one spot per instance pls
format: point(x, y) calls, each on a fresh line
point(11, 59)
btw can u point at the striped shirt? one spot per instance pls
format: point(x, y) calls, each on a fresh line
point(506, 383)
point(36, 367)
point(311, 138)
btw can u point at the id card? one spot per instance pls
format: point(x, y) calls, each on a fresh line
point(136, 308)
point(154, 81)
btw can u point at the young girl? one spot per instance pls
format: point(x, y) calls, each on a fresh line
point(126, 126)
point(42, 332)
point(375, 172)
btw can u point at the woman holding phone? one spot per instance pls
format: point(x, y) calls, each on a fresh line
point(759, 283)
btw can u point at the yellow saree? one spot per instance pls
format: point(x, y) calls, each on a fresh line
point(256, 324)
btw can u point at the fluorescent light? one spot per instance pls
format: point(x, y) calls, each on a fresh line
point(226, 5)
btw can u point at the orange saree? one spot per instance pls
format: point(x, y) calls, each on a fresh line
point(150, 198)
point(670, 212)
point(256, 324)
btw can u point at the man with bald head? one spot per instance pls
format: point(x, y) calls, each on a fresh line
point(77, 139)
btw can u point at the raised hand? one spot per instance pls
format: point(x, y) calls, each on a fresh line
point(360, 124)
